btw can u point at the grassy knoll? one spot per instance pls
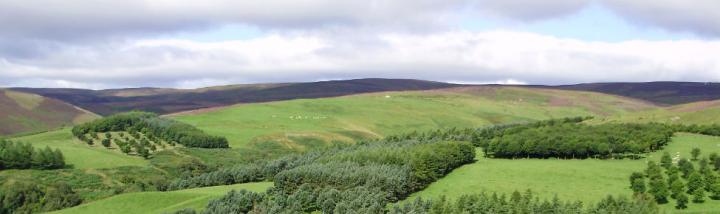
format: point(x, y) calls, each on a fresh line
point(160, 202)
point(303, 124)
point(586, 180)
point(79, 154)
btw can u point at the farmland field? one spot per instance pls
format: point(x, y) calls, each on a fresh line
point(79, 154)
point(587, 180)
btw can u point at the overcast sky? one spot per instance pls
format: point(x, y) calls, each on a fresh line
point(195, 43)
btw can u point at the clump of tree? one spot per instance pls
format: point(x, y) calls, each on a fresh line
point(681, 181)
point(22, 197)
point(17, 155)
point(574, 140)
point(358, 177)
point(150, 125)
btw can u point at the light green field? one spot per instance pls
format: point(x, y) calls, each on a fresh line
point(706, 112)
point(161, 202)
point(79, 154)
point(299, 124)
point(586, 180)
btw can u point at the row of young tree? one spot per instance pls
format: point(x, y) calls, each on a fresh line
point(20, 197)
point(17, 155)
point(361, 201)
point(381, 172)
point(142, 145)
point(681, 180)
point(151, 125)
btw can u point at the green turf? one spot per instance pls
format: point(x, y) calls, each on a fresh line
point(586, 180)
point(79, 154)
point(161, 202)
point(303, 124)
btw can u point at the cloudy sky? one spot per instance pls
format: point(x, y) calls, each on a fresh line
point(195, 43)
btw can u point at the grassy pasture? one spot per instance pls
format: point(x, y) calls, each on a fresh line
point(161, 202)
point(307, 123)
point(79, 154)
point(587, 180)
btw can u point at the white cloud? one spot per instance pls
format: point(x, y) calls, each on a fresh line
point(489, 57)
point(81, 21)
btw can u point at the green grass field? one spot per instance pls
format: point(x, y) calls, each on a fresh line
point(79, 154)
point(586, 180)
point(303, 124)
point(161, 202)
point(692, 113)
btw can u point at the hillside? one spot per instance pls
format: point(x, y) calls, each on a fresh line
point(164, 101)
point(169, 100)
point(704, 112)
point(669, 93)
point(24, 112)
point(306, 123)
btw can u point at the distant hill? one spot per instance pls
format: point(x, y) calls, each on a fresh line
point(669, 93)
point(304, 124)
point(24, 112)
point(165, 101)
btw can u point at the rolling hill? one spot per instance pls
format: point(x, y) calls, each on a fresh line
point(668, 93)
point(307, 123)
point(164, 101)
point(24, 112)
point(703, 112)
point(168, 100)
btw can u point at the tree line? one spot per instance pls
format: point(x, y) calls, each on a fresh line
point(151, 125)
point(525, 203)
point(362, 201)
point(564, 138)
point(17, 155)
point(575, 140)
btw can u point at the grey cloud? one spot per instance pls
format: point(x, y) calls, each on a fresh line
point(450, 56)
point(530, 10)
point(697, 16)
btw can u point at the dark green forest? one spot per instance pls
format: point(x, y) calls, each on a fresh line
point(363, 176)
point(16, 155)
